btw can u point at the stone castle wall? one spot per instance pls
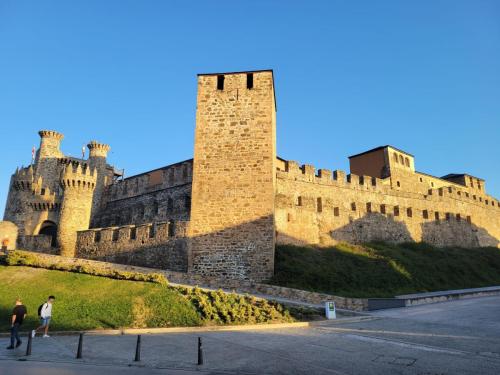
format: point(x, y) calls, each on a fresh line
point(159, 195)
point(160, 245)
point(329, 207)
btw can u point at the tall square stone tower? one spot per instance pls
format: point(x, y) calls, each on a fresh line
point(232, 214)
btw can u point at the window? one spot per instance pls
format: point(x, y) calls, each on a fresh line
point(220, 82)
point(133, 233)
point(299, 201)
point(171, 229)
point(486, 201)
point(409, 212)
point(474, 197)
point(97, 236)
point(396, 210)
point(401, 160)
point(42, 192)
point(478, 185)
point(395, 157)
point(436, 215)
point(289, 217)
point(407, 162)
point(382, 208)
point(336, 211)
point(458, 217)
point(319, 205)
point(152, 231)
point(425, 214)
point(480, 199)
point(368, 207)
point(469, 220)
point(467, 195)
point(187, 202)
point(398, 183)
point(432, 184)
point(421, 180)
point(353, 206)
point(249, 81)
point(116, 234)
point(448, 216)
point(459, 193)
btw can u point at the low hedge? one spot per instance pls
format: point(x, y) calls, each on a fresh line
point(18, 258)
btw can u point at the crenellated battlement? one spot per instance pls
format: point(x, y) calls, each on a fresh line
point(51, 134)
point(80, 178)
point(98, 149)
point(338, 178)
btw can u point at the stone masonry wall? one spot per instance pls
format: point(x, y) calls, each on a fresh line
point(232, 216)
point(159, 195)
point(158, 245)
point(327, 207)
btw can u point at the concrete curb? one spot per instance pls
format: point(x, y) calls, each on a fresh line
point(167, 330)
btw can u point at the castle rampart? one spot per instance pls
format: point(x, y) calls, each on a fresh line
point(162, 244)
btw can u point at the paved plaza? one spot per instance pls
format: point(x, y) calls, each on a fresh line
point(458, 337)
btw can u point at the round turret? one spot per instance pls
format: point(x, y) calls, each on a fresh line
point(78, 185)
point(98, 149)
point(50, 141)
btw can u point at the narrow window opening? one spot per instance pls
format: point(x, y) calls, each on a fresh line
point(425, 214)
point(398, 183)
point(469, 220)
point(368, 207)
point(409, 212)
point(448, 216)
point(436, 215)
point(319, 204)
point(151, 231)
point(396, 210)
point(171, 229)
point(220, 82)
point(97, 237)
point(250, 81)
point(458, 217)
point(132, 233)
point(336, 211)
point(407, 162)
point(353, 206)
point(299, 201)
point(382, 208)
point(115, 235)
point(289, 217)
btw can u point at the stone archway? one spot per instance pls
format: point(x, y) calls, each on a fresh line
point(49, 228)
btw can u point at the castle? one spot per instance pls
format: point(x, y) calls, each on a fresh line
point(221, 213)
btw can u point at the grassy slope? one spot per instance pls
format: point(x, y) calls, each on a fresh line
point(89, 302)
point(382, 270)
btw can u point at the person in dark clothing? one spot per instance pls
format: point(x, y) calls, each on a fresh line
point(18, 315)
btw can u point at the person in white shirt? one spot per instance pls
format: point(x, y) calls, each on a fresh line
point(45, 313)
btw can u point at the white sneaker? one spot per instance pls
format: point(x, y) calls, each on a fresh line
point(46, 336)
point(33, 333)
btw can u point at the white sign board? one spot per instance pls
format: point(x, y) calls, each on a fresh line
point(330, 310)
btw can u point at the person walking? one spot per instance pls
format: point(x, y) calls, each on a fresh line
point(18, 315)
point(45, 313)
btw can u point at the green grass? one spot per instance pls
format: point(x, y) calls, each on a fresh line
point(92, 302)
point(384, 270)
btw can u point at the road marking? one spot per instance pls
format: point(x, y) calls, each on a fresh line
point(397, 333)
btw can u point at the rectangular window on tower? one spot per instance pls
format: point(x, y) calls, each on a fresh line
point(220, 82)
point(249, 81)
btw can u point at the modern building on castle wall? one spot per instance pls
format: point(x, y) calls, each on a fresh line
point(221, 213)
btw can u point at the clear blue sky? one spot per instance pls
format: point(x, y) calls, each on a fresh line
point(423, 76)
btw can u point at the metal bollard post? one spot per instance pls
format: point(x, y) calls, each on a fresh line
point(28, 347)
point(138, 349)
point(80, 345)
point(200, 352)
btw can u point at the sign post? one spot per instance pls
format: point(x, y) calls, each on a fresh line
point(330, 311)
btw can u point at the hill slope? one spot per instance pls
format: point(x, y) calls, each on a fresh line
point(92, 302)
point(384, 270)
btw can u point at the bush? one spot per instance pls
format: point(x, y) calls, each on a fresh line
point(220, 307)
point(18, 258)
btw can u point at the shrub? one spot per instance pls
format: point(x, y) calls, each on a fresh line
point(18, 258)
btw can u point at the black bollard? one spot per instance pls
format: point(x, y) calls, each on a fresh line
point(200, 352)
point(80, 345)
point(138, 349)
point(28, 347)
